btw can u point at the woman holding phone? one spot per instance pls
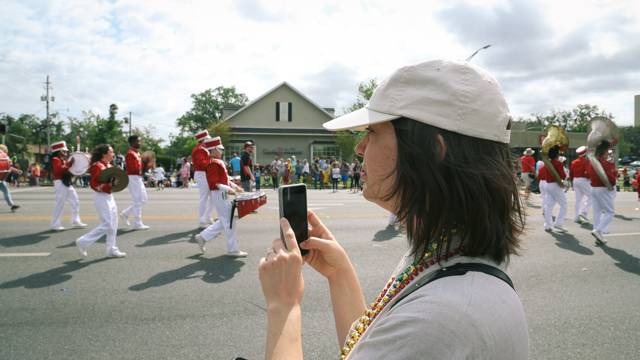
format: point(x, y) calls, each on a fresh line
point(424, 123)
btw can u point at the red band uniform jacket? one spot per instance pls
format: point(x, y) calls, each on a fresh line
point(60, 167)
point(134, 162)
point(200, 157)
point(95, 170)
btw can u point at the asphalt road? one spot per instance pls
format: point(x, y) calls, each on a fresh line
point(166, 301)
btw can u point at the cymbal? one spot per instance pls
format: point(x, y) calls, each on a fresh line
point(150, 158)
point(106, 175)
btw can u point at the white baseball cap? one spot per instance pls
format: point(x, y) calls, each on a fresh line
point(451, 95)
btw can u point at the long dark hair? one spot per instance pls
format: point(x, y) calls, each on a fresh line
point(474, 185)
point(98, 152)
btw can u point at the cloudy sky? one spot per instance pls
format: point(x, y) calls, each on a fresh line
point(148, 57)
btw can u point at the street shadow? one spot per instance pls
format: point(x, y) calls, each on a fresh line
point(624, 218)
point(569, 242)
point(625, 261)
point(216, 270)
point(387, 233)
point(25, 240)
point(103, 239)
point(171, 238)
point(50, 277)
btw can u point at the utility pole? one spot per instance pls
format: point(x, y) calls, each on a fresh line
point(129, 123)
point(48, 120)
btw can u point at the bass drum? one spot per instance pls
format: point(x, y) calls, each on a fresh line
point(5, 168)
point(81, 165)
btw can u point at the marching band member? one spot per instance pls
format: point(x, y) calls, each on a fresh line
point(4, 153)
point(101, 156)
point(63, 192)
point(542, 184)
point(578, 175)
point(135, 167)
point(602, 197)
point(555, 193)
point(200, 156)
point(526, 173)
point(220, 185)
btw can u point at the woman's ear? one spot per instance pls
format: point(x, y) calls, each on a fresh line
point(442, 148)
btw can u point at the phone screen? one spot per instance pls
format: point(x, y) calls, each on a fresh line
point(294, 209)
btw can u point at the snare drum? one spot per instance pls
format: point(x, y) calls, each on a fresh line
point(82, 163)
point(249, 202)
point(5, 167)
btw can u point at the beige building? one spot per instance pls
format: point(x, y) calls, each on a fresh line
point(522, 139)
point(283, 122)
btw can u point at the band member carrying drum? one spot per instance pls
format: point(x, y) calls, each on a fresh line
point(220, 186)
point(200, 156)
point(64, 189)
point(135, 169)
point(101, 156)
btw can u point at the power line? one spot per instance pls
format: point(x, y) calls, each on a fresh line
point(19, 92)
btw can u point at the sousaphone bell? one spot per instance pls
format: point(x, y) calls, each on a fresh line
point(601, 129)
point(555, 136)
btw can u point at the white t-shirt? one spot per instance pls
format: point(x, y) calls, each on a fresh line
point(335, 173)
point(159, 173)
point(471, 316)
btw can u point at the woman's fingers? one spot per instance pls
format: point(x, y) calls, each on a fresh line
point(321, 245)
point(289, 235)
point(317, 227)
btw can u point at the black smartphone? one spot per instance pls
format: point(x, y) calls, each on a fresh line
point(293, 207)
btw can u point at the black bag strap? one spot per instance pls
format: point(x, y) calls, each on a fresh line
point(455, 270)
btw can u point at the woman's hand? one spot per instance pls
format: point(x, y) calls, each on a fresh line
point(325, 254)
point(280, 271)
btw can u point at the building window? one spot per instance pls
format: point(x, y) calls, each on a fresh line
point(326, 151)
point(283, 111)
point(231, 149)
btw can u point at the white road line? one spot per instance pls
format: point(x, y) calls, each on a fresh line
point(627, 234)
point(23, 254)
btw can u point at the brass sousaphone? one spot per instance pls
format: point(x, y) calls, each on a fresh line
point(601, 129)
point(555, 136)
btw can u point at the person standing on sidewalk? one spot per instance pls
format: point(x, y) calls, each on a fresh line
point(135, 168)
point(246, 172)
point(64, 193)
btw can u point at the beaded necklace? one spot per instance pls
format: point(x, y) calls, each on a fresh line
point(395, 286)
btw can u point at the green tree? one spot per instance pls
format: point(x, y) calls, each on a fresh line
point(207, 108)
point(106, 131)
point(629, 144)
point(365, 90)
point(574, 120)
point(347, 140)
point(223, 130)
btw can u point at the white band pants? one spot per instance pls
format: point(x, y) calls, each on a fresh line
point(108, 213)
point(138, 198)
point(602, 202)
point(205, 210)
point(223, 208)
point(583, 188)
point(65, 193)
point(555, 194)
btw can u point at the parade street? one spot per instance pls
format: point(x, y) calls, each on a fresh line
point(166, 300)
